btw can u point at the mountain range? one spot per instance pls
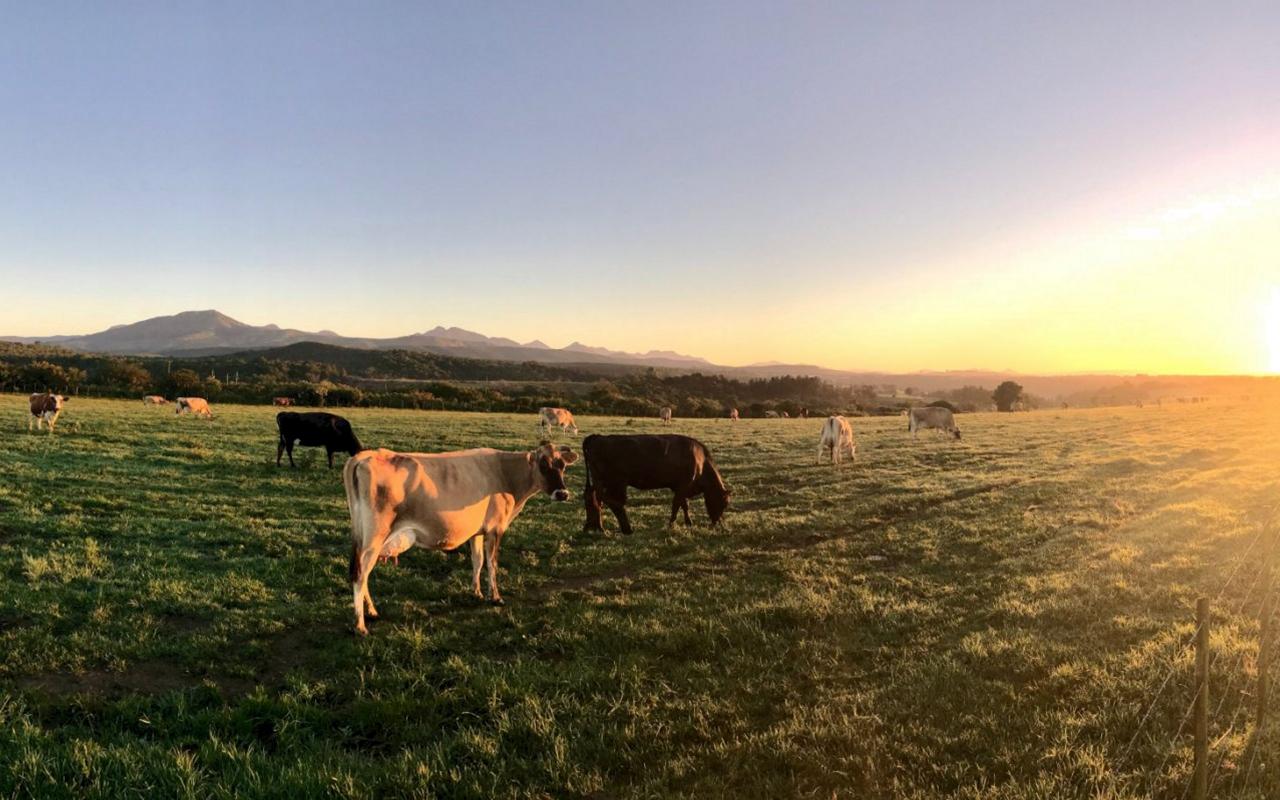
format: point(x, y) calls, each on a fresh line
point(201, 333)
point(212, 333)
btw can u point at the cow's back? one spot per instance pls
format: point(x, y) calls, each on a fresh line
point(644, 461)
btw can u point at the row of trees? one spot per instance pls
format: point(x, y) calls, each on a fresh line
point(359, 378)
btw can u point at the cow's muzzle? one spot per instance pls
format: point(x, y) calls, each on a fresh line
point(560, 495)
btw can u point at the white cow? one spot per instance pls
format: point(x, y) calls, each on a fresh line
point(549, 418)
point(837, 435)
point(932, 417)
point(733, 414)
point(664, 413)
point(441, 501)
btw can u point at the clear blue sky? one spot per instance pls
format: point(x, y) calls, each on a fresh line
point(830, 182)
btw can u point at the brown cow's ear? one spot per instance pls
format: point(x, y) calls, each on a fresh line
point(568, 455)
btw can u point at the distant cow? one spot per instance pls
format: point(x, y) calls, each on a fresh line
point(315, 429)
point(926, 417)
point(549, 418)
point(771, 415)
point(837, 435)
point(664, 461)
point(196, 405)
point(153, 400)
point(45, 407)
point(664, 413)
point(733, 414)
point(282, 401)
point(441, 501)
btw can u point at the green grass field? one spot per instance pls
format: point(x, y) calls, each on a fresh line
point(986, 618)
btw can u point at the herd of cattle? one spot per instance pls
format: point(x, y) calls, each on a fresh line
point(441, 501)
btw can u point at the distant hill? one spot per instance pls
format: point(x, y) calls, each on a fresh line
point(201, 333)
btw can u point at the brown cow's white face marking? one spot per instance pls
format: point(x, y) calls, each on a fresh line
point(551, 462)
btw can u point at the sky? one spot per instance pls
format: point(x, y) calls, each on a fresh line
point(1043, 187)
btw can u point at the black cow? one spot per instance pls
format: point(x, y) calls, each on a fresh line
point(315, 429)
point(667, 461)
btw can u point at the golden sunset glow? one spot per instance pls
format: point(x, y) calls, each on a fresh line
point(1271, 322)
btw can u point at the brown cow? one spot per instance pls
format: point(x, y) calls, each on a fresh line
point(442, 501)
point(196, 405)
point(661, 461)
point(282, 401)
point(45, 407)
point(153, 400)
point(733, 414)
point(561, 418)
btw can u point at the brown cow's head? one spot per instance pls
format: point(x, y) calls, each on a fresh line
point(551, 462)
point(955, 432)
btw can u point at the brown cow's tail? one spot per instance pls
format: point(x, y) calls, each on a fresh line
point(358, 482)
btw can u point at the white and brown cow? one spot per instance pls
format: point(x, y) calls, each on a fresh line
point(733, 414)
point(195, 405)
point(549, 418)
point(442, 501)
point(837, 435)
point(282, 401)
point(924, 417)
point(153, 400)
point(664, 413)
point(45, 407)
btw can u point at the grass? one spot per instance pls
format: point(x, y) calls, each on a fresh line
point(987, 618)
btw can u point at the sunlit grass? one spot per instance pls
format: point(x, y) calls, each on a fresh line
point(988, 618)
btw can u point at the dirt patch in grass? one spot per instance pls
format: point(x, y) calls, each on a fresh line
point(146, 677)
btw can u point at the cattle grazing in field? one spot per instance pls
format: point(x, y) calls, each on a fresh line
point(771, 415)
point(315, 429)
point(282, 401)
point(549, 418)
point(442, 501)
point(837, 436)
point(195, 405)
point(154, 400)
point(784, 415)
point(45, 407)
point(733, 414)
point(664, 461)
point(926, 417)
point(664, 413)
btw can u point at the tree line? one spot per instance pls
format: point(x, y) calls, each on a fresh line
point(324, 375)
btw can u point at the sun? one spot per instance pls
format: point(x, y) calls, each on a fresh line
point(1271, 323)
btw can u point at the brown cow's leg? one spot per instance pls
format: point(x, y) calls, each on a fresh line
point(330, 452)
point(620, 511)
point(280, 452)
point(491, 542)
point(477, 563)
point(591, 500)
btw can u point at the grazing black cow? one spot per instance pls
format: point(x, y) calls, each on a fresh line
point(315, 429)
point(666, 461)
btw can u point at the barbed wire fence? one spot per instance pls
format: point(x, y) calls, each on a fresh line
point(1227, 708)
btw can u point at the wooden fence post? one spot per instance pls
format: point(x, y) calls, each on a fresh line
point(1264, 643)
point(1201, 778)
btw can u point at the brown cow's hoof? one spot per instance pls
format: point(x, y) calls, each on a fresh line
point(498, 601)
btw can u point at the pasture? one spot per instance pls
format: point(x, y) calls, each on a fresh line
point(985, 618)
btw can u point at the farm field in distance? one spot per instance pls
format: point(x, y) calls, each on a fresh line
point(985, 618)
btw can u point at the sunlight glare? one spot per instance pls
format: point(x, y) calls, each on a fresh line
point(1271, 322)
